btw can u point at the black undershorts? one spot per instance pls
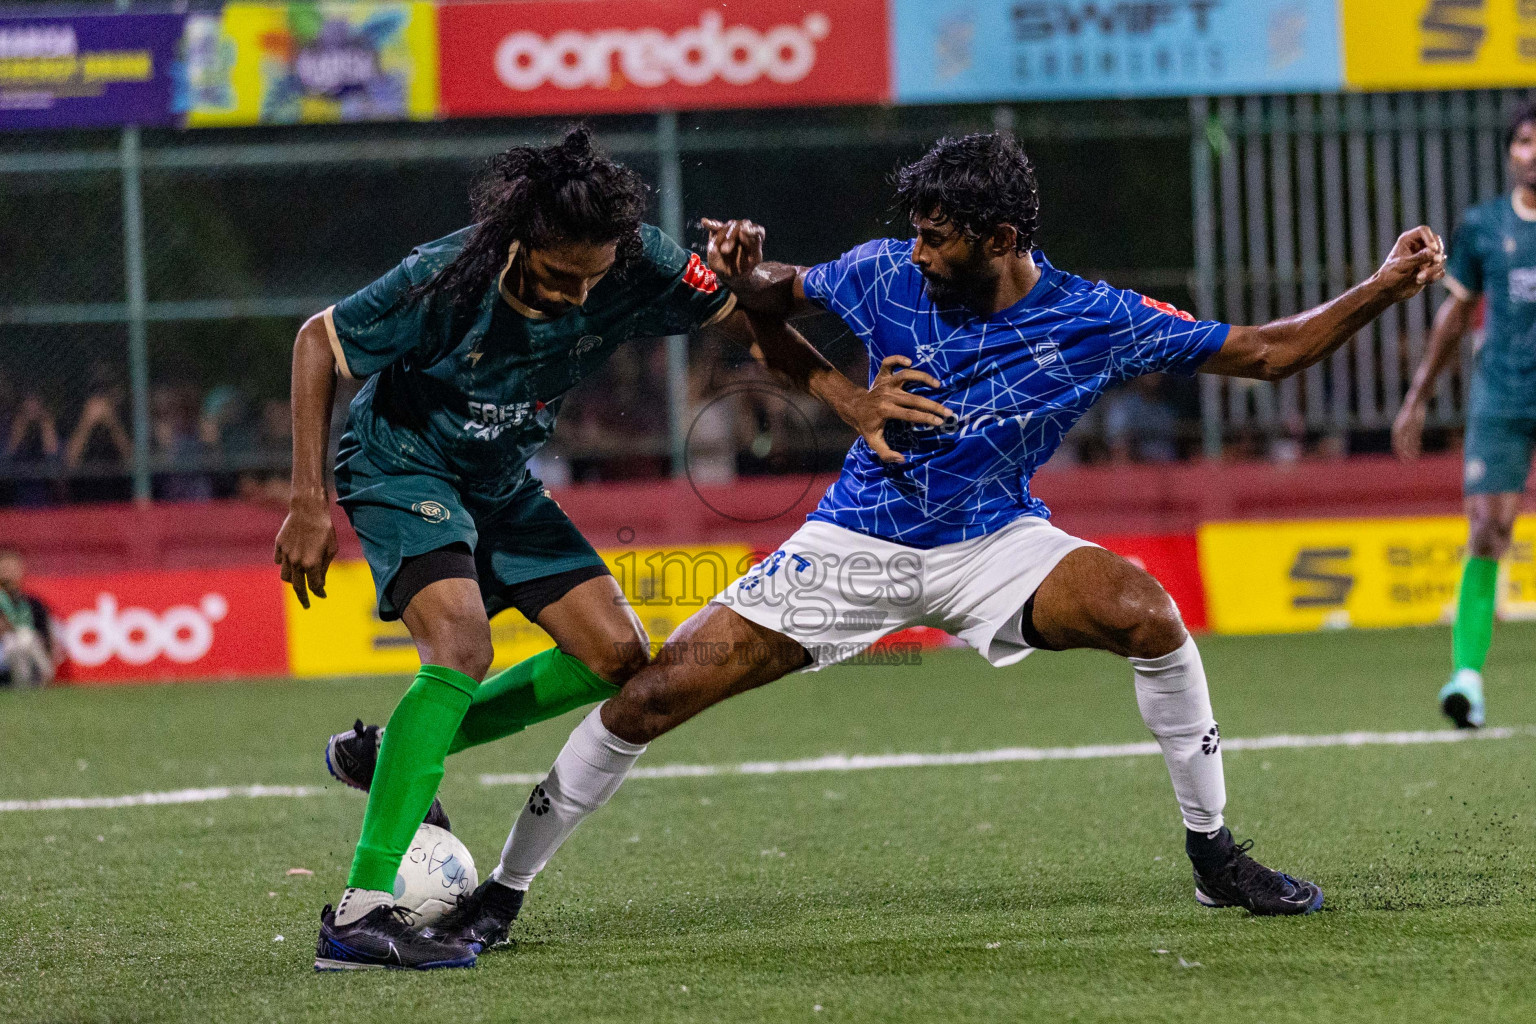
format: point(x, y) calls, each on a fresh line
point(457, 562)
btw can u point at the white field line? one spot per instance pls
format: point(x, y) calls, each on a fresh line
point(863, 762)
point(174, 796)
point(827, 763)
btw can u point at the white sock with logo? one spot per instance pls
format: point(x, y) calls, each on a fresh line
point(588, 771)
point(357, 904)
point(1176, 705)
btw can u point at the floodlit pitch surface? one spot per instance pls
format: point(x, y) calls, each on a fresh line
point(1047, 891)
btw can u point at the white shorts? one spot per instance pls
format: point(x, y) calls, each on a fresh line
point(837, 591)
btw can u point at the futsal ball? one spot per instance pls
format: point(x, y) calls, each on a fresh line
point(435, 874)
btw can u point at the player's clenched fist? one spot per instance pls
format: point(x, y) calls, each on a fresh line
point(735, 246)
point(1415, 262)
point(888, 399)
point(306, 544)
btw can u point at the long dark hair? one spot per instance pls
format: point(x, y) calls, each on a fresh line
point(979, 182)
point(567, 192)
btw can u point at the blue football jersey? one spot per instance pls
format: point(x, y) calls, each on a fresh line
point(1016, 382)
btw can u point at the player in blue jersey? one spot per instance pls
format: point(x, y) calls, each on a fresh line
point(999, 353)
point(1492, 257)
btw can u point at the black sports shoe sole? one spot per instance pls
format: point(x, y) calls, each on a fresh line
point(323, 964)
point(1459, 710)
point(1312, 907)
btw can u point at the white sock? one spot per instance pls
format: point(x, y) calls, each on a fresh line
point(358, 903)
point(1176, 705)
point(588, 771)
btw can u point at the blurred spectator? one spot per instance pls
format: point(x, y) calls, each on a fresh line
point(274, 436)
point(225, 424)
point(174, 430)
point(29, 649)
point(99, 443)
point(9, 397)
point(31, 451)
point(99, 437)
point(33, 434)
point(272, 447)
point(1140, 424)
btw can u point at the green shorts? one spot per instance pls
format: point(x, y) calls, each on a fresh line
point(520, 536)
point(1497, 454)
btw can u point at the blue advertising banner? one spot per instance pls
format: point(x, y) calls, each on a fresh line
point(88, 70)
point(956, 51)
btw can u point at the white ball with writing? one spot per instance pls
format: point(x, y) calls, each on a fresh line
point(435, 874)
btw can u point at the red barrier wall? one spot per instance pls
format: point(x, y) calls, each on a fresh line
point(1090, 501)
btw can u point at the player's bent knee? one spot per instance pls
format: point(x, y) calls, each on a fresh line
point(462, 646)
point(472, 659)
point(619, 661)
point(1156, 627)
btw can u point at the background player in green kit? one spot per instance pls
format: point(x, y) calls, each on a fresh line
point(467, 347)
point(1493, 256)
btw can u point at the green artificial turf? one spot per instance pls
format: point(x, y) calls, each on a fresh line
point(1052, 891)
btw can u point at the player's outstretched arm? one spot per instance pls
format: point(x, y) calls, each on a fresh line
point(1452, 321)
point(735, 254)
point(1279, 349)
point(307, 541)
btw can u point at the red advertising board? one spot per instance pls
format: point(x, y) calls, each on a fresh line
point(589, 57)
point(193, 624)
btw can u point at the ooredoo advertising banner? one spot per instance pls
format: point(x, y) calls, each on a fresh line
point(84, 71)
point(311, 63)
point(1439, 44)
point(950, 51)
point(192, 624)
point(590, 58)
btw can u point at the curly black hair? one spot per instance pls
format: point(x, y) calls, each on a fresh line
point(567, 192)
point(980, 182)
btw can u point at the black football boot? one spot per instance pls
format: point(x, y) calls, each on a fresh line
point(1225, 876)
point(351, 756)
point(483, 918)
point(381, 939)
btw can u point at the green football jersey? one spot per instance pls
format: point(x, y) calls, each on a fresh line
point(1493, 253)
point(473, 393)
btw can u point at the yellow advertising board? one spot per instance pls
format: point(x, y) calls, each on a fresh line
point(342, 634)
point(1439, 44)
point(1288, 577)
point(309, 63)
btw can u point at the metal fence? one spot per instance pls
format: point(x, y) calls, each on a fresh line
point(153, 281)
point(1297, 198)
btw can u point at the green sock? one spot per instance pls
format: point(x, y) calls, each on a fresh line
point(410, 767)
point(542, 687)
point(1473, 633)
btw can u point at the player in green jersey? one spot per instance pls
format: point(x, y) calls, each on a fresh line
point(1493, 259)
point(468, 347)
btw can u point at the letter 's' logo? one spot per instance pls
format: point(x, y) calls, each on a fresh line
point(1324, 576)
